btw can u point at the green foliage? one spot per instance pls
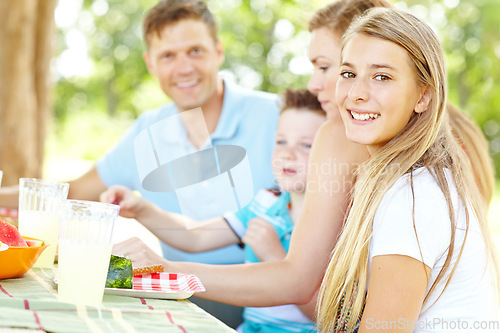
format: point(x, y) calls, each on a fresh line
point(119, 76)
point(469, 32)
point(86, 134)
point(265, 44)
point(261, 38)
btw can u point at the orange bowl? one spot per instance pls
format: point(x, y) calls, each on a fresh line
point(16, 261)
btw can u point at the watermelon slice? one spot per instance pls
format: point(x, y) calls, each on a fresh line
point(34, 242)
point(10, 235)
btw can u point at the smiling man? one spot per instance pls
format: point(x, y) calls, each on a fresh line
point(184, 54)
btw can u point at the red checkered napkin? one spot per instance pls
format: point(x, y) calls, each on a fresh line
point(168, 282)
point(9, 212)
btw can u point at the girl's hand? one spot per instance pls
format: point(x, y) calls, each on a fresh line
point(140, 254)
point(130, 204)
point(264, 241)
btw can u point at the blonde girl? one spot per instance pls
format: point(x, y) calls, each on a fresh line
point(327, 27)
point(416, 230)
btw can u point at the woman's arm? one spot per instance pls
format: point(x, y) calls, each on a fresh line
point(309, 309)
point(398, 285)
point(294, 279)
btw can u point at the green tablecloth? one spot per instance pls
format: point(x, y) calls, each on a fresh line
point(31, 302)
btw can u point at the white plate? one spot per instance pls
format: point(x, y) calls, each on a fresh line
point(146, 293)
point(189, 284)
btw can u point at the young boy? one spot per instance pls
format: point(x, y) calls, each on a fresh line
point(264, 226)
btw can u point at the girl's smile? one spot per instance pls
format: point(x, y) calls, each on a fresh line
point(363, 116)
point(377, 91)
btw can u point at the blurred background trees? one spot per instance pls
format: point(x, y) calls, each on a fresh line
point(26, 40)
point(101, 83)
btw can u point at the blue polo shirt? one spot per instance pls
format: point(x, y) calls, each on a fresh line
point(248, 119)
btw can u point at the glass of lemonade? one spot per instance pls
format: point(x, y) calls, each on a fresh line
point(84, 250)
point(39, 206)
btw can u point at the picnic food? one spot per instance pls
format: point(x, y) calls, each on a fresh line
point(34, 242)
point(148, 269)
point(119, 273)
point(10, 235)
point(17, 260)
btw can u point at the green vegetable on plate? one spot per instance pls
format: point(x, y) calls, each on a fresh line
point(119, 273)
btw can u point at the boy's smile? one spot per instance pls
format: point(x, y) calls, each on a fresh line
point(289, 172)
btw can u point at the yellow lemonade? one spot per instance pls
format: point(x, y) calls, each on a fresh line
point(44, 226)
point(83, 269)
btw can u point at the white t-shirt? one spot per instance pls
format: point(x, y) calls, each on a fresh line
point(469, 303)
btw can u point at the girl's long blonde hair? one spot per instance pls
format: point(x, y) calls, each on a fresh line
point(338, 15)
point(476, 147)
point(427, 139)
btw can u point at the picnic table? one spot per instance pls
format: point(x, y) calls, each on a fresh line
point(29, 304)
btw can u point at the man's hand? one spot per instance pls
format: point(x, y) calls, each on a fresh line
point(263, 240)
point(130, 203)
point(140, 254)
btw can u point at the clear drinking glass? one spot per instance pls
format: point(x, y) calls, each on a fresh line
point(39, 206)
point(84, 250)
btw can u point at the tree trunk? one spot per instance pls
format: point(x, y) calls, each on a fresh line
point(26, 39)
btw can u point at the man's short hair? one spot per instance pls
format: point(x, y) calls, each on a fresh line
point(169, 12)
